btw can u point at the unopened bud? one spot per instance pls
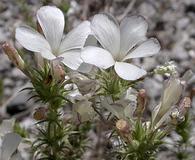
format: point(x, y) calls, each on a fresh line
point(171, 95)
point(135, 144)
point(13, 55)
point(184, 105)
point(142, 93)
point(40, 113)
point(122, 126)
point(141, 103)
point(58, 71)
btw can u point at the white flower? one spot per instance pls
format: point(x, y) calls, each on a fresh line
point(52, 44)
point(120, 43)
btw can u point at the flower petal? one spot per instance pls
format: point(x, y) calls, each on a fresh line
point(33, 41)
point(133, 30)
point(7, 126)
point(128, 71)
point(172, 93)
point(148, 48)
point(16, 156)
point(76, 38)
point(51, 20)
point(9, 145)
point(85, 68)
point(91, 41)
point(107, 32)
point(97, 56)
point(72, 59)
point(83, 111)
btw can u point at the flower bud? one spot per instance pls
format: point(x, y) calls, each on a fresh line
point(123, 126)
point(13, 55)
point(135, 144)
point(171, 95)
point(184, 105)
point(40, 113)
point(58, 71)
point(141, 103)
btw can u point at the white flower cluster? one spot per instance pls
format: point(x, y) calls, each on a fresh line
point(118, 43)
point(168, 69)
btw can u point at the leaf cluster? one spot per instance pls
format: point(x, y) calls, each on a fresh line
point(144, 143)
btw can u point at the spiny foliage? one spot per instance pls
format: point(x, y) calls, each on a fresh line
point(51, 141)
point(45, 88)
point(112, 85)
point(144, 143)
point(183, 130)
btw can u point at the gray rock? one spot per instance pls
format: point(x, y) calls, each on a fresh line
point(3, 36)
point(5, 63)
point(7, 92)
point(149, 63)
point(7, 82)
point(153, 87)
point(16, 73)
point(168, 155)
point(147, 10)
point(182, 23)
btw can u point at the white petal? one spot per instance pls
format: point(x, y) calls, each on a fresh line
point(97, 56)
point(117, 108)
point(128, 71)
point(107, 32)
point(133, 30)
point(72, 59)
point(148, 48)
point(171, 95)
point(33, 41)
point(51, 20)
point(76, 38)
point(91, 41)
point(9, 145)
point(7, 126)
point(85, 68)
point(48, 55)
point(84, 109)
point(16, 156)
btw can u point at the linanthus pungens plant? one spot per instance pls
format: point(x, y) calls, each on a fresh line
point(141, 137)
point(102, 97)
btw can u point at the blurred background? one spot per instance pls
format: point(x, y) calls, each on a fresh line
point(171, 21)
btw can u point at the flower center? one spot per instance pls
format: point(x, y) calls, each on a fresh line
point(119, 57)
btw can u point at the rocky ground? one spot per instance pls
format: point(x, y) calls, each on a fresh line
point(171, 21)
